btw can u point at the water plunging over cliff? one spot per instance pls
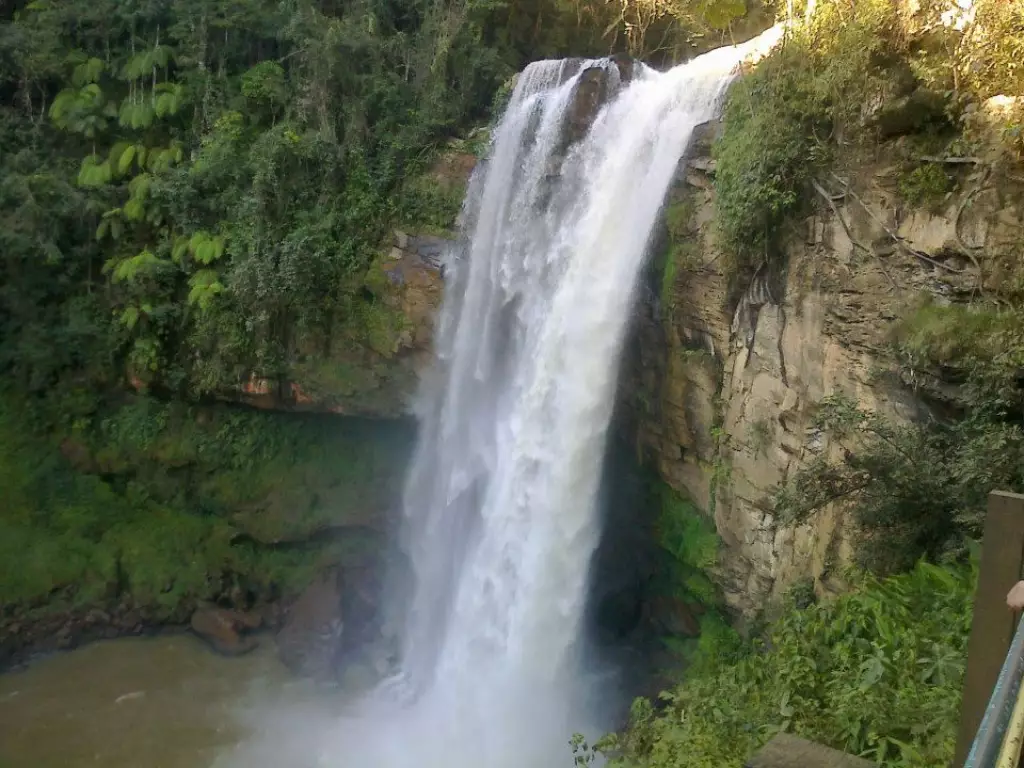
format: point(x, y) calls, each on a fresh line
point(500, 503)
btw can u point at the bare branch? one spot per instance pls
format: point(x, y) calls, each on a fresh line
point(830, 199)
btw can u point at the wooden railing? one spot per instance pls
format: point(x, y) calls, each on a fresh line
point(995, 657)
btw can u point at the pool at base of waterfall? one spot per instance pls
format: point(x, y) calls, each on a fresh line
point(163, 702)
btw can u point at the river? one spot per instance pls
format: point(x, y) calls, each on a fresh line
point(163, 702)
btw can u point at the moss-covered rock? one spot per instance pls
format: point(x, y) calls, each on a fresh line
point(146, 509)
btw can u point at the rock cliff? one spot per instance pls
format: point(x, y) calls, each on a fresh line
point(723, 378)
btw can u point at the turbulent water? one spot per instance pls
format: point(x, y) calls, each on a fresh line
point(501, 498)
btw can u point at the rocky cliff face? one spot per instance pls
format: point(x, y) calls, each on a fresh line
point(725, 374)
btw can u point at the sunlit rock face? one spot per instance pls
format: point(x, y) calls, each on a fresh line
point(723, 378)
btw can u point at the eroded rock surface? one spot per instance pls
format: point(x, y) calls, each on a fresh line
point(226, 630)
point(723, 380)
point(309, 642)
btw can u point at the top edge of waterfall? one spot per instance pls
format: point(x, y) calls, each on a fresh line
point(555, 72)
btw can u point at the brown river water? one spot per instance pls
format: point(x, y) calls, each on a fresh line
point(164, 702)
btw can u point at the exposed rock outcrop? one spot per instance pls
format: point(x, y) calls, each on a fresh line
point(723, 380)
point(225, 630)
point(310, 639)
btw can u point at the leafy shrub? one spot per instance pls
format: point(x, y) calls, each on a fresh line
point(875, 673)
point(980, 345)
point(925, 184)
point(913, 488)
point(785, 121)
point(766, 153)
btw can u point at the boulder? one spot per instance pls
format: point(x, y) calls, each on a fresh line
point(310, 640)
point(912, 114)
point(225, 629)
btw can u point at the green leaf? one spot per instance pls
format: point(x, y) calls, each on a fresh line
point(134, 209)
point(206, 252)
point(139, 186)
point(114, 156)
point(197, 239)
point(62, 104)
point(130, 317)
point(125, 161)
point(135, 116)
point(204, 286)
point(179, 250)
point(143, 264)
point(93, 173)
point(88, 72)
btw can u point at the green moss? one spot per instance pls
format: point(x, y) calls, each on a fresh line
point(173, 504)
point(681, 250)
point(326, 379)
point(689, 539)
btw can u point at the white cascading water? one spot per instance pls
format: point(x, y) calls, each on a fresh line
point(501, 499)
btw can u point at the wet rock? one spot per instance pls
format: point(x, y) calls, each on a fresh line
point(626, 66)
point(310, 640)
point(674, 616)
point(590, 93)
point(97, 616)
point(703, 138)
point(911, 114)
point(64, 639)
point(225, 629)
point(130, 622)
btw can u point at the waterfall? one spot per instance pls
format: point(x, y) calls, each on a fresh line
point(501, 497)
point(500, 502)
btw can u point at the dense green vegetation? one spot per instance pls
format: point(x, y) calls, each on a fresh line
point(845, 80)
point(160, 505)
point(214, 177)
point(876, 673)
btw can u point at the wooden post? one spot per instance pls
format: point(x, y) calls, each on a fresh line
point(993, 624)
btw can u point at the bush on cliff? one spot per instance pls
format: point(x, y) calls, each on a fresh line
point(783, 121)
point(920, 488)
point(876, 672)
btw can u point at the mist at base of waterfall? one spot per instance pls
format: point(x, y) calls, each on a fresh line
point(499, 724)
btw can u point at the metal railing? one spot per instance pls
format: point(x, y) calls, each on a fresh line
point(998, 741)
point(992, 714)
